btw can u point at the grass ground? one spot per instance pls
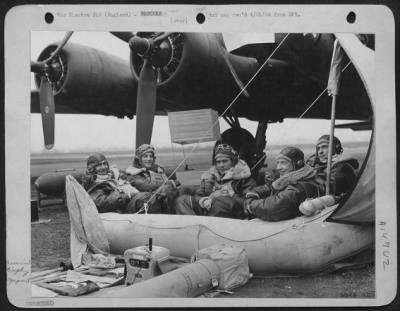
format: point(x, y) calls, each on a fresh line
point(50, 238)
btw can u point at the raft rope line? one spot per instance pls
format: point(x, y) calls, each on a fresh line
point(146, 204)
point(321, 214)
point(201, 227)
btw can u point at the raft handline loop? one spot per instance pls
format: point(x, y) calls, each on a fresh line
point(222, 114)
point(146, 207)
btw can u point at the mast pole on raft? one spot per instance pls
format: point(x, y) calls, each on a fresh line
point(331, 134)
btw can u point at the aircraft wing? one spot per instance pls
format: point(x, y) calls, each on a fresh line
point(356, 126)
point(196, 71)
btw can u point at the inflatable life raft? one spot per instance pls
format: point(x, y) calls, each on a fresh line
point(300, 245)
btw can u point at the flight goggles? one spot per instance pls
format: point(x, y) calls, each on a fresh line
point(225, 149)
point(142, 149)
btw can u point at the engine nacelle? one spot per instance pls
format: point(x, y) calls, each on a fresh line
point(92, 80)
point(197, 64)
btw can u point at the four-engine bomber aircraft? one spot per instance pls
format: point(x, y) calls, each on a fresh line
point(263, 82)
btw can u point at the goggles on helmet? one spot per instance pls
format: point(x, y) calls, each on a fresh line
point(224, 147)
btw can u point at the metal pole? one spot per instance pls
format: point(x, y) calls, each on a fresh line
point(261, 139)
point(186, 168)
point(328, 170)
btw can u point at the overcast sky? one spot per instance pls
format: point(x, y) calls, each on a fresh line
point(71, 131)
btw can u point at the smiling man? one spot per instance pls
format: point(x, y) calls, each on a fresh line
point(222, 187)
point(151, 179)
point(280, 199)
point(108, 191)
point(343, 172)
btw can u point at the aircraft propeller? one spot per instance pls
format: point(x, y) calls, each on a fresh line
point(155, 54)
point(50, 70)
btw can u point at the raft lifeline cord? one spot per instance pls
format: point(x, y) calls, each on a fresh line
point(209, 130)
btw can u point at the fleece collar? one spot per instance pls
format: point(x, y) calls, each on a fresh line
point(239, 171)
point(304, 173)
point(338, 159)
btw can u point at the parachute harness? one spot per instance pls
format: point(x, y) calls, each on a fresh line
point(243, 89)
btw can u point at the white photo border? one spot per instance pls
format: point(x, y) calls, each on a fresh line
point(310, 19)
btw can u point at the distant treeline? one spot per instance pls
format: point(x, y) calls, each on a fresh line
point(178, 149)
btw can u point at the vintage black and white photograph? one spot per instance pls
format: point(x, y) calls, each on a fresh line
point(211, 165)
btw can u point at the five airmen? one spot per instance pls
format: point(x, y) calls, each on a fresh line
point(227, 189)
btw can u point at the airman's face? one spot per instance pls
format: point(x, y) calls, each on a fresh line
point(147, 160)
point(102, 168)
point(223, 164)
point(284, 166)
point(322, 152)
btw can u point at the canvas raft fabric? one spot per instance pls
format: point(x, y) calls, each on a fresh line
point(232, 262)
point(87, 230)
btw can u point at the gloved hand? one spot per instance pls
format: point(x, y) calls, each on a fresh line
point(247, 209)
point(177, 183)
point(134, 171)
point(205, 202)
point(268, 179)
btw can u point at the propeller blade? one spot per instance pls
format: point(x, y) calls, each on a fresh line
point(47, 110)
point(59, 47)
point(124, 36)
point(146, 104)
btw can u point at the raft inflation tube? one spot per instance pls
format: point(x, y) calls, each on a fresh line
point(191, 280)
point(300, 245)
